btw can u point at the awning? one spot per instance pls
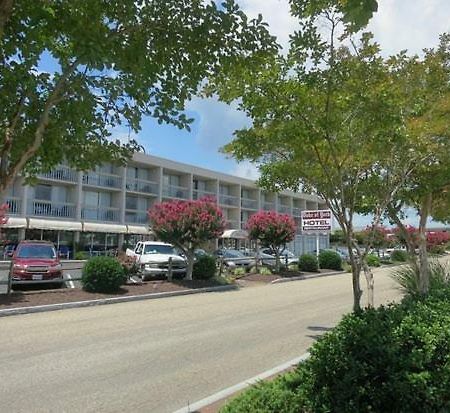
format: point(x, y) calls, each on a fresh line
point(139, 229)
point(235, 234)
point(15, 222)
point(34, 223)
point(109, 228)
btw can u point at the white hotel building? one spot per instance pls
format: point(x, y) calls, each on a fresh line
point(106, 208)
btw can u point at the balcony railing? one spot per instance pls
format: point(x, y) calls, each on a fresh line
point(91, 213)
point(297, 212)
point(200, 193)
point(61, 173)
point(229, 200)
point(103, 180)
point(284, 209)
point(269, 206)
point(249, 203)
point(230, 224)
point(141, 185)
point(136, 217)
point(172, 191)
point(51, 209)
point(15, 206)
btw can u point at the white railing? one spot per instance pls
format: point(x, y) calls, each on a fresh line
point(269, 206)
point(103, 180)
point(249, 203)
point(284, 209)
point(136, 217)
point(92, 213)
point(51, 209)
point(61, 173)
point(297, 212)
point(15, 206)
point(141, 185)
point(230, 224)
point(200, 193)
point(228, 200)
point(172, 191)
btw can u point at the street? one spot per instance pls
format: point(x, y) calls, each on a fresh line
point(159, 355)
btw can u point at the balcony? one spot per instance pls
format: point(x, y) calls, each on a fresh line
point(269, 206)
point(229, 200)
point(230, 224)
point(197, 194)
point(136, 217)
point(172, 191)
point(249, 203)
point(61, 173)
point(91, 213)
point(15, 206)
point(51, 209)
point(142, 186)
point(102, 180)
point(297, 212)
point(284, 209)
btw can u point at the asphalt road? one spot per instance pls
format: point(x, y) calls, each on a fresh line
point(158, 355)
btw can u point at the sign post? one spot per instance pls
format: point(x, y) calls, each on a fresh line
point(316, 222)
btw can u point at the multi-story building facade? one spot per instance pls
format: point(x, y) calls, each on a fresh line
point(104, 208)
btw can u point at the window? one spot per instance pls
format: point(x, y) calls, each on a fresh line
point(132, 202)
point(43, 192)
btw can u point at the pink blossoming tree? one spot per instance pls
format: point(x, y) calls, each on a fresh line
point(187, 224)
point(273, 230)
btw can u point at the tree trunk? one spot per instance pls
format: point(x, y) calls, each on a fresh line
point(190, 264)
point(370, 285)
point(277, 261)
point(424, 275)
point(357, 292)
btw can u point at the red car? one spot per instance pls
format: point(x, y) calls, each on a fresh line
point(36, 261)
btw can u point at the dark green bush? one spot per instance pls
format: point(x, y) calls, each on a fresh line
point(399, 256)
point(373, 260)
point(385, 360)
point(81, 255)
point(204, 268)
point(330, 259)
point(308, 263)
point(437, 249)
point(103, 275)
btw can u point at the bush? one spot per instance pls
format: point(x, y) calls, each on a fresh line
point(390, 359)
point(437, 249)
point(81, 255)
point(308, 263)
point(330, 259)
point(103, 275)
point(399, 256)
point(239, 271)
point(373, 260)
point(204, 268)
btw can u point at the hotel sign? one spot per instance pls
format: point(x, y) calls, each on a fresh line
point(316, 221)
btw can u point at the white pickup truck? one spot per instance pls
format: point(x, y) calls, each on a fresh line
point(153, 258)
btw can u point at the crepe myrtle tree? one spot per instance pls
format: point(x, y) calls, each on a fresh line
point(187, 225)
point(273, 230)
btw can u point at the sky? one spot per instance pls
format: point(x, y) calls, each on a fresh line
point(398, 25)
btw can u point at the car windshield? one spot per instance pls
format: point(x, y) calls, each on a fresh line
point(233, 254)
point(36, 251)
point(288, 254)
point(159, 249)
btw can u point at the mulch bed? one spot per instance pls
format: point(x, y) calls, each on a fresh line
point(27, 297)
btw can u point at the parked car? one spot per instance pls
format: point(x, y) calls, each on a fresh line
point(153, 257)
point(285, 255)
point(36, 261)
point(234, 258)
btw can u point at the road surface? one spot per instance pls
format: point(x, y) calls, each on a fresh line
point(158, 355)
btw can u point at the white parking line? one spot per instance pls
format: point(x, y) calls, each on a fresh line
point(70, 282)
point(190, 408)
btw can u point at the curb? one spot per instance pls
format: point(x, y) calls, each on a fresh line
point(194, 407)
point(112, 300)
point(306, 277)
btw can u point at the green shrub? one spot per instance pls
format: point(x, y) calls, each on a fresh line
point(81, 255)
point(408, 278)
point(390, 359)
point(373, 260)
point(265, 270)
point(239, 271)
point(308, 263)
point(437, 249)
point(204, 268)
point(103, 275)
point(330, 259)
point(399, 256)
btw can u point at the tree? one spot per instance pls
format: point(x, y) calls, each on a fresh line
point(273, 230)
point(326, 119)
point(72, 71)
point(187, 224)
point(3, 210)
point(376, 236)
